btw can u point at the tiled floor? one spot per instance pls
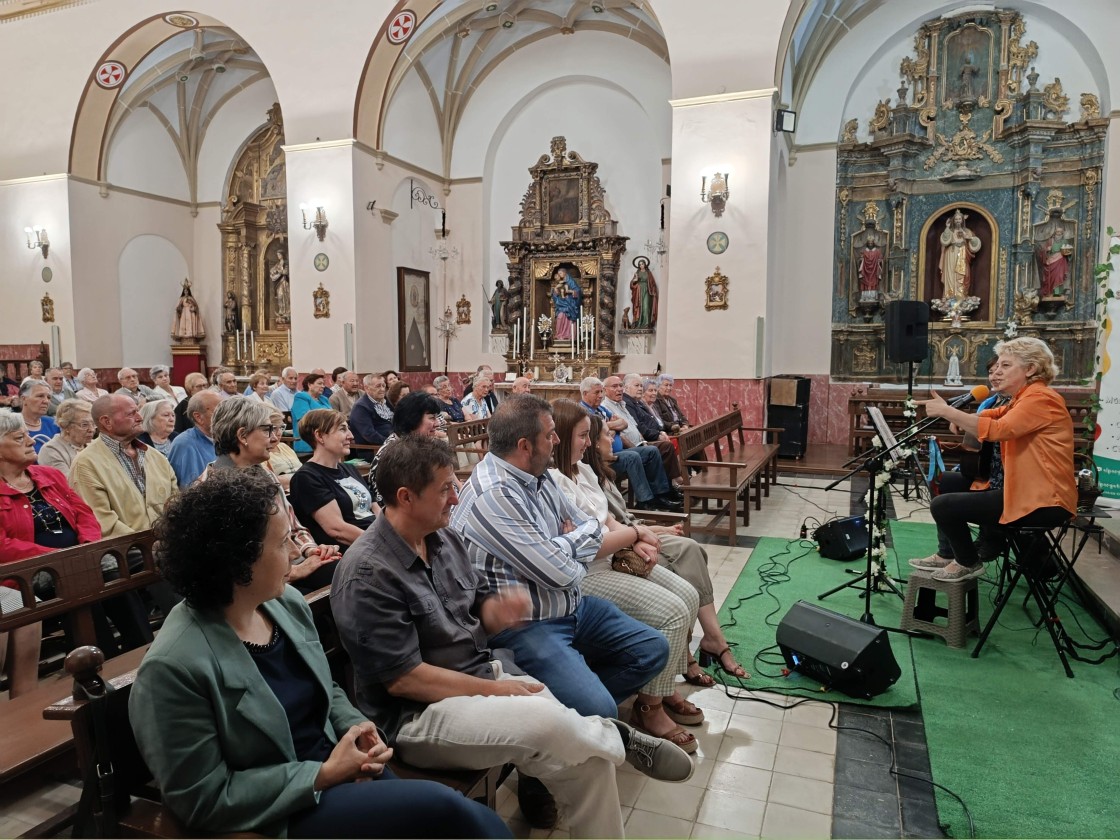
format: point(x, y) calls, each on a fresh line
point(762, 769)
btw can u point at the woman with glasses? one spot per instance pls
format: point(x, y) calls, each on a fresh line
point(162, 387)
point(243, 432)
point(282, 459)
point(449, 404)
point(75, 432)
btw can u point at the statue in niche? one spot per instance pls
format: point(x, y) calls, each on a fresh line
point(643, 296)
point(233, 323)
point(567, 298)
point(953, 376)
point(959, 246)
point(966, 90)
point(48, 309)
point(1053, 255)
point(870, 268)
point(187, 325)
point(282, 291)
point(499, 307)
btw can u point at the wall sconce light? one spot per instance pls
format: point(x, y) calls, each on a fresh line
point(319, 222)
point(37, 238)
point(718, 195)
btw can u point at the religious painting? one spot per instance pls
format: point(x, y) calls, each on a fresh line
point(414, 317)
point(968, 65)
point(562, 195)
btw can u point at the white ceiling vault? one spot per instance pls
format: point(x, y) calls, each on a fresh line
point(455, 49)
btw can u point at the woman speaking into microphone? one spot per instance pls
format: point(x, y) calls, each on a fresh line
point(1035, 434)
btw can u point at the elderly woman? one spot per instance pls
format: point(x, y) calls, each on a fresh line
point(243, 432)
point(193, 383)
point(259, 384)
point(234, 709)
point(449, 405)
point(35, 401)
point(652, 595)
point(667, 408)
point(475, 406)
point(282, 459)
point(39, 512)
point(417, 414)
point(309, 399)
point(397, 391)
point(89, 390)
point(649, 400)
point(76, 430)
point(1035, 433)
point(162, 387)
point(327, 493)
point(158, 420)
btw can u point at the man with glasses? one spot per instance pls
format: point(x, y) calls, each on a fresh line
point(347, 393)
point(59, 389)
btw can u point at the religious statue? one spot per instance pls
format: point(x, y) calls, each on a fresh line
point(870, 268)
point(567, 298)
point(499, 307)
point(1053, 263)
point(463, 311)
point(48, 309)
point(968, 75)
point(953, 376)
point(321, 298)
point(643, 296)
point(282, 293)
point(233, 322)
point(187, 324)
point(959, 246)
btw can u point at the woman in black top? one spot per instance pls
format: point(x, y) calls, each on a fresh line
point(328, 495)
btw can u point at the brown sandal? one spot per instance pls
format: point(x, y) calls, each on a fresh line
point(701, 679)
point(707, 659)
point(683, 712)
point(685, 740)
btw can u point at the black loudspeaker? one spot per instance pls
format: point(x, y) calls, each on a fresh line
point(841, 653)
point(843, 539)
point(793, 420)
point(907, 330)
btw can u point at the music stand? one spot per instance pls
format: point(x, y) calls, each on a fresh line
point(911, 459)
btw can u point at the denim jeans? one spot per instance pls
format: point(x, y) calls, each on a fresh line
point(642, 465)
point(590, 660)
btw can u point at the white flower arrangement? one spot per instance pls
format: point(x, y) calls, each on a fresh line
point(910, 409)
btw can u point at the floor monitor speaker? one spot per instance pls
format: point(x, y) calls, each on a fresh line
point(907, 323)
point(843, 539)
point(844, 654)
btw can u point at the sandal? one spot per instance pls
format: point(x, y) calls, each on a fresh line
point(707, 659)
point(700, 679)
point(683, 712)
point(678, 737)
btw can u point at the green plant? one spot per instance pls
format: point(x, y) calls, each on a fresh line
point(1102, 273)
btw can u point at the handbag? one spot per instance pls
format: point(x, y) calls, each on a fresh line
point(629, 562)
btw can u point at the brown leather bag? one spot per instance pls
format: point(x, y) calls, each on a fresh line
point(628, 561)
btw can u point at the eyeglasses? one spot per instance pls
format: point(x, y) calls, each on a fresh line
point(269, 429)
point(85, 424)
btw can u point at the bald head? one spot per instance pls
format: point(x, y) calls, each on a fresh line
point(521, 385)
point(117, 417)
point(200, 409)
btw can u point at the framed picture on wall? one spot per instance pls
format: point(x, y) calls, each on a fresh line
point(563, 200)
point(414, 318)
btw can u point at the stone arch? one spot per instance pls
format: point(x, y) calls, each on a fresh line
point(150, 271)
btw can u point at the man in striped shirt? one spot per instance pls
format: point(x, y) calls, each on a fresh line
point(522, 531)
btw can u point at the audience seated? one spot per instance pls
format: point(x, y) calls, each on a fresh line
point(59, 390)
point(285, 391)
point(282, 459)
point(157, 418)
point(234, 710)
point(521, 385)
point(444, 698)
point(192, 384)
point(418, 414)
point(650, 594)
point(347, 393)
point(641, 465)
point(450, 406)
point(131, 387)
point(390, 377)
point(9, 391)
point(192, 450)
point(667, 408)
point(309, 399)
point(328, 494)
point(69, 378)
point(396, 392)
point(475, 405)
point(259, 387)
point(75, 432)
point(89, 390)
point(492, 397)
point(161, 385)
point(248, 392)
point(649, 401)
point(328, 388)
point(371, 418)
point(35, 399)
point(634, 435)
point(224, 383)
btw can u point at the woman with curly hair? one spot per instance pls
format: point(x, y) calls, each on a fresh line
point(234, 709)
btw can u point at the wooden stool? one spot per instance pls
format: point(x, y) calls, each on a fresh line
point(921, 610)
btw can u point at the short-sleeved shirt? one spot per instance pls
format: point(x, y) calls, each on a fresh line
point(394, 613)
point(314, 486)
point(47, 430)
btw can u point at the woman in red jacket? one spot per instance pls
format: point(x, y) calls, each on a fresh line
point(39, 512)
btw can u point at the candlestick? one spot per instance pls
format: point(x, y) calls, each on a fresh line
point(253, 344)
point(237, 345)
point(291, 352)
point(532, 339)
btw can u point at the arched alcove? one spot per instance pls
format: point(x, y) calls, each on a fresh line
point(150, 274)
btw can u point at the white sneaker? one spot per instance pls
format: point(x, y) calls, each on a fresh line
point(934, 561)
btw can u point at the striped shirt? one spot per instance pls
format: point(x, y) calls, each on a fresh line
point(134, 468)
point(513, 524)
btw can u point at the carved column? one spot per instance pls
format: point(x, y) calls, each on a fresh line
point(608, 278)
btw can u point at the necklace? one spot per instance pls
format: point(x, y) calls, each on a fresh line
point(24, 484)
point(44, 512)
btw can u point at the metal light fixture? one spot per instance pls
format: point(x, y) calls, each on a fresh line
point(719, 193)
point(319, 222)
point(37, 238)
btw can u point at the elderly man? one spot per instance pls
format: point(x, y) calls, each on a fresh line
point(521, 385)
point(131, 387)
point(59, 389)
point(224, 383)
point(445, 698)
point(371, 418)
point(192, 384)
point(193, 450)
point(622, 398)
point(641, 465)
point(35, 399)
point(347, 393)
point(285, 390)
point(70, 377)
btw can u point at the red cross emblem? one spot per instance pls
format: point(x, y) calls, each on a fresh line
point(110, 74)
point(400, 29)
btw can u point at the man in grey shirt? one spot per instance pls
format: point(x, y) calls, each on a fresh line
point(414, 615)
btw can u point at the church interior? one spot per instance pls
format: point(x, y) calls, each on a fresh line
point(544, 187)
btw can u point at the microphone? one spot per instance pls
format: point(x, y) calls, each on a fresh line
point(977, 394)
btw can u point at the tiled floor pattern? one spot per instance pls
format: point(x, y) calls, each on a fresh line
point(762, 769)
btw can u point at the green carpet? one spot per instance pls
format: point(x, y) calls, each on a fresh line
point(781, 572)
point(1032, 752)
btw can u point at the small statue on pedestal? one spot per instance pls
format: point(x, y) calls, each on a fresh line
point(953, 377)
point(187, 325)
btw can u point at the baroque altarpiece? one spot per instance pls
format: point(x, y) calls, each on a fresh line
point(256, 287)
point(563, 260)
point(978, 193)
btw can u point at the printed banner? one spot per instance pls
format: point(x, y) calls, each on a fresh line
point(1106, 450)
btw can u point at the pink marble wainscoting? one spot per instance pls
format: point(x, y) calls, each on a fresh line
point(706, 399)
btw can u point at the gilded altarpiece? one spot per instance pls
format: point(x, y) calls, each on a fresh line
point(255, 282)
point(564, 254)
point(977, 192)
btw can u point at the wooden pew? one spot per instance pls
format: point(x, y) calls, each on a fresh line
point(737, 470)
point(470, 441)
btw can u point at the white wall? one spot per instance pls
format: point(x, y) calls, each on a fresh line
point(143, 157)
point(151, 273)
point(411, 130)
point(232, 127)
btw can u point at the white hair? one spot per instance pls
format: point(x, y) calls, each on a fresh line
point(588, 383)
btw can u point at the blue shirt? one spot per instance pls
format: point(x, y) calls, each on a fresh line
point(47, 430)
point(302, 404)
point(282, 397)
point(605, 413)
point(191, 453)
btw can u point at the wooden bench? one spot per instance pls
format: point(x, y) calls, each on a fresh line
point(470, 442)
point(737, 470)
